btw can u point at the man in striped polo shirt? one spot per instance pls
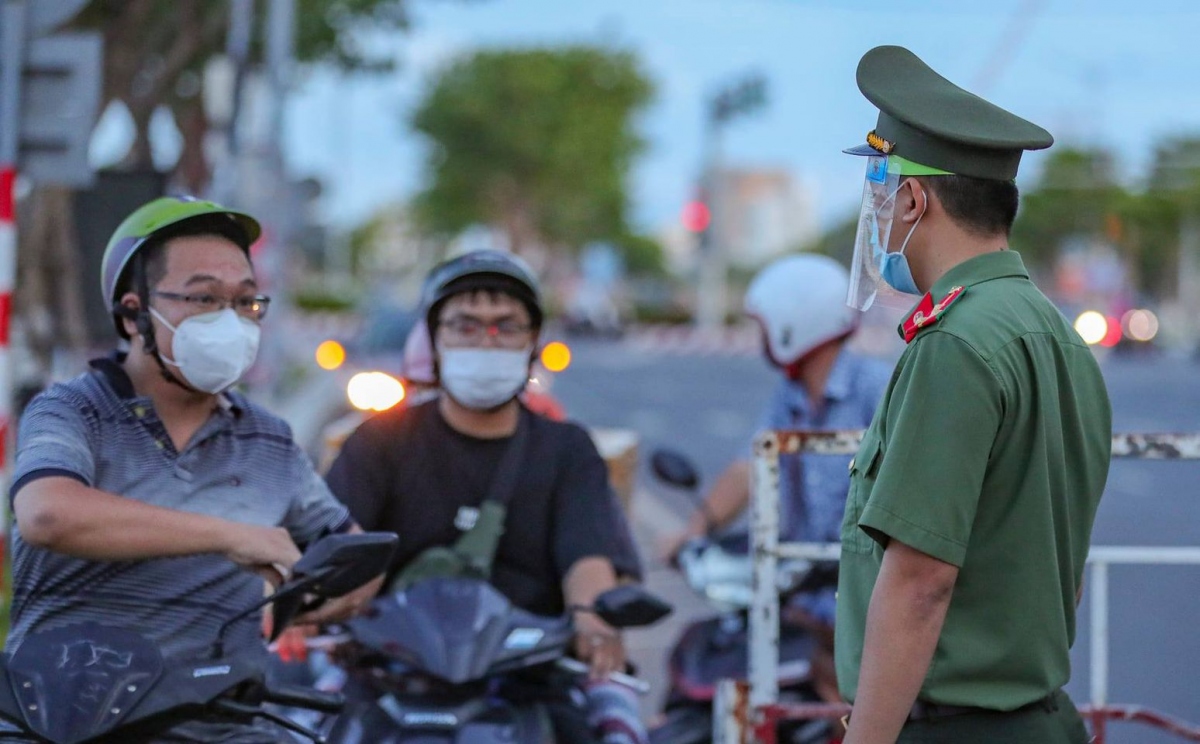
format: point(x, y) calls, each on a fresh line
point(147, 494)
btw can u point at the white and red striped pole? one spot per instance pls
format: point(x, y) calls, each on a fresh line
point(12, 55)
point(8, 264)
point(8, 270)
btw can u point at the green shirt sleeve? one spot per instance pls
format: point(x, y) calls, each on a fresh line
point(939, 427)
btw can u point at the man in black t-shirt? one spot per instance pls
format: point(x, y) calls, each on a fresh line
point(423, 472)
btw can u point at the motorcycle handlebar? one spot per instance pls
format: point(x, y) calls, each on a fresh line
point(578, 667)
point(295, 696)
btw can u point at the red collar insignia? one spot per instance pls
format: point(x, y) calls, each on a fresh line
point(927, 313)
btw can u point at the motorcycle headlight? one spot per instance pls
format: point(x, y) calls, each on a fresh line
point(374, 391)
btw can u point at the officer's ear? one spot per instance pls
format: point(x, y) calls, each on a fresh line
point(911, 202)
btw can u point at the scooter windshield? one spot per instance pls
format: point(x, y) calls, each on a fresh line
point(457, 629)
point(79, 681)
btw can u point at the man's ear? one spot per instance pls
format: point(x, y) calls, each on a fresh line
point(537, 349)
point(130, 304)
point(916, 202)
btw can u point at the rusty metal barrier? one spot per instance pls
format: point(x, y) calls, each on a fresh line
point(749, 712)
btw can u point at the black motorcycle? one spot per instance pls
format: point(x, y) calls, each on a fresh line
point(88, 682)
point(452, 660)
point(720, 568)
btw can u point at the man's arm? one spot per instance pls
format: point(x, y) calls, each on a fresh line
point(725, 501)
point(596, 641)
point(65, 516)
point(904, 620)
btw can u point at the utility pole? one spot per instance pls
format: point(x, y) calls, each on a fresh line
point(278, 216)
point(741, 98)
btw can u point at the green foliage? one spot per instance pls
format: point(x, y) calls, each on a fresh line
point(155, 53)
point(316, 299)
point(1076, 195)
point(538, 142)
point(643, 255)
point(331, 31)
point(837, 242)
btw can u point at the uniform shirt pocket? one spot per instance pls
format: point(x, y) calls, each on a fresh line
point(863, 469)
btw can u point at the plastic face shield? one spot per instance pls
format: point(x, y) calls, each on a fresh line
point(874, 228)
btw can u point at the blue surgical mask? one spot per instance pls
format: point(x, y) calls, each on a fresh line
point(893, 267)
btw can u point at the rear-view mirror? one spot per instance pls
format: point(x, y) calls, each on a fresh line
point(630, 606)
point(339, 564)
point(674, 468)
point(331, 567)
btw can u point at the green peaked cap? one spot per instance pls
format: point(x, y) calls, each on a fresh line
point(927, 119)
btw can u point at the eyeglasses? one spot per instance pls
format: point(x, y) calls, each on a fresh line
point(463, 329)
point(253, 307)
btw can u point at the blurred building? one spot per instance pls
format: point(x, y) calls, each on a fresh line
point(760, 214)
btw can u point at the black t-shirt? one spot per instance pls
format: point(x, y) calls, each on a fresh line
point(407, 471)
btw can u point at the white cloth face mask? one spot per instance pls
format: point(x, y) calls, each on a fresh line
point(483, 379)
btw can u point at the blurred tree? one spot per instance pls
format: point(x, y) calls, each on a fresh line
point(1077, 194)
point(155, 54)
point(643, 255)
point(536, 142)
point(154, 57)
point(1170, 207)
point(836, 242)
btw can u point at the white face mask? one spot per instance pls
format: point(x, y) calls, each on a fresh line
point(212, 350)
point(483, 379)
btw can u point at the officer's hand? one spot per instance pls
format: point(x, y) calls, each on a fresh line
point(344, 607)
point(269, 551)
point(599, 644)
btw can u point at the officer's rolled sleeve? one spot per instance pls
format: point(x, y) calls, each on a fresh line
point(54, 439)
point(942, 420)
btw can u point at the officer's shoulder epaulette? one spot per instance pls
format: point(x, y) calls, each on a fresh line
point(928, 312)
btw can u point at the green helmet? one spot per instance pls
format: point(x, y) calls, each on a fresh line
point(150, 220)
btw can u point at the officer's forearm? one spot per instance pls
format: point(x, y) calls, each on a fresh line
point(904, 620)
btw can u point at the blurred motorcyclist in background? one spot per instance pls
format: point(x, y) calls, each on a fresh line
point(798, 302)
point(430, 472)
point(420, 380)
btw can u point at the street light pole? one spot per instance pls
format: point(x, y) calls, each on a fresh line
point(732, 101)
point(710, 296)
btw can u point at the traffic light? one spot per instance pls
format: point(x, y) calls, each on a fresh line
point(696, 216)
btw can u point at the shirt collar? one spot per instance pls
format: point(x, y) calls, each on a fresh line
point(111, 368)
point(838, 384)
point(980, 269)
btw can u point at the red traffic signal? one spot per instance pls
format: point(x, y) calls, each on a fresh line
point(696, 216)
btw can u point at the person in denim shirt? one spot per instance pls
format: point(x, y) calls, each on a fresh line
point(799, 303)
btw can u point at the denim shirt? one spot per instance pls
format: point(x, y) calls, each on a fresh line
point(813, 487)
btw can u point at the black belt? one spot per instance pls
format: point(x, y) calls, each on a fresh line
point(923, 710)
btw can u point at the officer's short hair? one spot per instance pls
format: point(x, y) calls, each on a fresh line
point(983, 206)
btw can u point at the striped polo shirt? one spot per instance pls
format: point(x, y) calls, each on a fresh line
point(241, 465)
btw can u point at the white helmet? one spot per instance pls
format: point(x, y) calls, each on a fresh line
point(800, 302)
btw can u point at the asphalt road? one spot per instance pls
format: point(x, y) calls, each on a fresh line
point(707, 406)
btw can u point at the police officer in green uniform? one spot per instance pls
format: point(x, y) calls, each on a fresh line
point(974, 492)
